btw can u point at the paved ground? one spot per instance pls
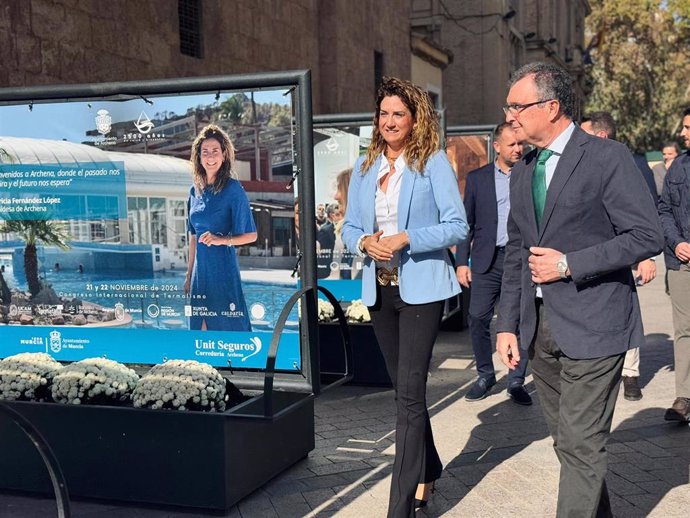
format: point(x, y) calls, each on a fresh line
point(498, 457)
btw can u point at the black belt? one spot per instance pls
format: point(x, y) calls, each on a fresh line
point(500, 248)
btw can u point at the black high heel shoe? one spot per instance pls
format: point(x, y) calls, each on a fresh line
point(420, 503)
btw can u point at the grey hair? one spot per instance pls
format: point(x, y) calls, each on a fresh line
point(552, 83)
point(332, 207)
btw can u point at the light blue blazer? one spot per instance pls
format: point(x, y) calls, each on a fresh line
point(432, 213)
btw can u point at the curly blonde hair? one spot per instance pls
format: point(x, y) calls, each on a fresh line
point(227, 168)
point(424, 140)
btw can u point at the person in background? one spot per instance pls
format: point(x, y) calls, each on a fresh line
point(220, 219)
point(341, 255)
point(487, 204)
point(602, 124)
point(296, 223)
point(669, 153)
point(578, 221)
point(674, 211)
point(321, 214)
point(325, 241)
point(342, 184)
point(403, 213)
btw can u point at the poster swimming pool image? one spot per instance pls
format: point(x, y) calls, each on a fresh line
point(95, 234)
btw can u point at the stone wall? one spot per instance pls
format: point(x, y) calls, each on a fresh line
point(84, 41)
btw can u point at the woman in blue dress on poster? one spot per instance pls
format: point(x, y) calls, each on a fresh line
point(220, 219)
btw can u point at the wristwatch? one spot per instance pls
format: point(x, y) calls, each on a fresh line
point(360, 245)
point(562, 267)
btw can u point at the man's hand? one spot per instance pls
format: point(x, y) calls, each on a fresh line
point(508, 349)
point(682, 251)
point(464, 275)
point(395, 242)
point(375, 249)
point(542, 264)
point(646, 271)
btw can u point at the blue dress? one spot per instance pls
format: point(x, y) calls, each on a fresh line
point(216, 286)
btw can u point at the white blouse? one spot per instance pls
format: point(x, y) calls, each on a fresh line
point(387, 204)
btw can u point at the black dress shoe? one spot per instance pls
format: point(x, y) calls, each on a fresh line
point(631, 389)
point(419, 503)
point(680, 411)
point(480, 389)
point(519, 395)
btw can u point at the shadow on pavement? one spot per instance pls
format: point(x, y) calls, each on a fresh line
point(648, 457)
point(654, 357)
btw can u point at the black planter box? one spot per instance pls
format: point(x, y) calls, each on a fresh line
point(206, 460)
point(368, 366)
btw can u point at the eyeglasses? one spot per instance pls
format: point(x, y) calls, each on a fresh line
point(515, 108)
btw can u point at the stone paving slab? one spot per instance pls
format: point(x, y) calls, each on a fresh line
point(498, 456)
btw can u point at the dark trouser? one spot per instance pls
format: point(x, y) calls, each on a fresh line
point(406, 334)
point(578, 398)
point(486, 289)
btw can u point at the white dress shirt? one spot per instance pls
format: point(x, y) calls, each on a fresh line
point(557, 146)
point(387, 204)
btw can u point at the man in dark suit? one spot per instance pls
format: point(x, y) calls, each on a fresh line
point(487, 204)
point(577, 223)
point(601, 124)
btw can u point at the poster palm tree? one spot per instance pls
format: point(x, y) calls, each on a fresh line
point(32, 232)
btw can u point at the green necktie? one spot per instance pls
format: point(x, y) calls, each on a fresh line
point(539, 184)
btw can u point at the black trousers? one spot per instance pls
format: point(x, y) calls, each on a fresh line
point(486, 289)
point(578, 398)
point(406, 334)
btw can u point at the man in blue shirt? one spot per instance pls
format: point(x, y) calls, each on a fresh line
point(487, 204)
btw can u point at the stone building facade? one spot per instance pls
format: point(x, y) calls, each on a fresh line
point(345, 44)
point(491, 38)
point(468, 47)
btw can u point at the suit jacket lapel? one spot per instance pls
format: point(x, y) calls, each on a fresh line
point(369, 186)
point(572, 154)
point(406, 186)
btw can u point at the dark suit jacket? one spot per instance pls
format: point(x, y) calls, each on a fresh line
point(482, 218)
point(674, 208)
point(604, 222)
point(326, 239)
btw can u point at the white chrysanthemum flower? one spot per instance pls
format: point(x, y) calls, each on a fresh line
point(27, 376)
point(326, 311)
point(94, 381)
point(357, 312)
point(181, 385)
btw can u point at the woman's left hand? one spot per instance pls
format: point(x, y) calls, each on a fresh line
point(396, 241)
point(210, 239)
